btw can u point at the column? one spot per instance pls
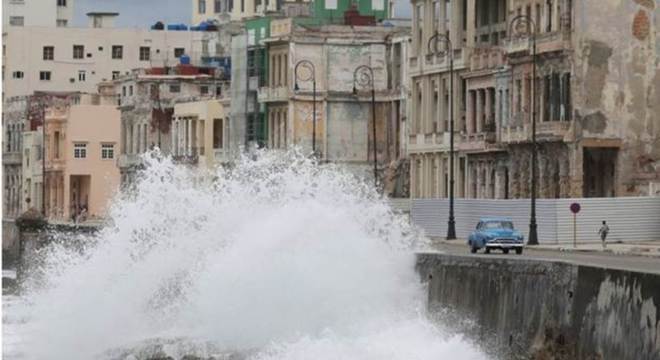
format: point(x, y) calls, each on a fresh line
point(470, 29)
point(469, 116)
point(480, 110)
point(487, 106)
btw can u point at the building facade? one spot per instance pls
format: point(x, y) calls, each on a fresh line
point(77, 59)
point(331, 10)
point(591, 66)
point(45, 13)
point(146, 99)
point(82, 137)
point(201, 131)
point(343, 116)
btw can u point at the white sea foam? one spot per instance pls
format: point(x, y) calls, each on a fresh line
point(276, 258)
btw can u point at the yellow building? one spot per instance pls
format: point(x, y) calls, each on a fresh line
point(200, 132)
point(81, 146)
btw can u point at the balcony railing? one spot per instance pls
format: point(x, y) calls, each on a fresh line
point(128, 160)
point(12, 158)
point(189, 156)
point(273, 94)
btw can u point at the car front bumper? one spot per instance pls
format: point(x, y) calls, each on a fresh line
point(504, 244)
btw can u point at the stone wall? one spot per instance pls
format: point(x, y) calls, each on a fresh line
point(548, 310)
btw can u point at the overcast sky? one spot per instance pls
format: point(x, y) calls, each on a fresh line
point(142, 13)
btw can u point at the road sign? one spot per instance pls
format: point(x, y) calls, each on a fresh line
point(575, 208)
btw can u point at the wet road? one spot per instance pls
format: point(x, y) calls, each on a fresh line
point(600, 259)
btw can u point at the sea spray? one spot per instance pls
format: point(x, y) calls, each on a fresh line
point(275, 257)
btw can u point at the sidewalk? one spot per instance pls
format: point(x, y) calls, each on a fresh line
point(645, 248)
point(638, 248)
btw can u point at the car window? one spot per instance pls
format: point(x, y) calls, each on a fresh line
point(497, 225)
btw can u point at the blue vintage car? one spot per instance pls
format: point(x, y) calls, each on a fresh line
point(496, 233)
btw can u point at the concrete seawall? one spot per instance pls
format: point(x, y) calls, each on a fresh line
point(549, 310)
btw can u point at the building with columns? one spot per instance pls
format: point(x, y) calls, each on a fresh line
point(146, 99)
point(343, 116)
point(594, 60)
point(201, 133)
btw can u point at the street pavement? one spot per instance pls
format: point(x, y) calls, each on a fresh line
point(584, 255)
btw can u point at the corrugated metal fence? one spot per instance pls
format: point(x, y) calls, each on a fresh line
point(629, 218)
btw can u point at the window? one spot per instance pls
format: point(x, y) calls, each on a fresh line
point(16, 20)
point(175, 88)
point(218, 133)
point(82, 75)
point(201, 6)
point(217, 6)
point(242, 5)
point(117, 51)
point(17, 74)
point(57, 144)
point(178, 52)
point(78, 51)
point(115, 75)
point(107, 151)
point(61, 2)
point(44, 75)
point(145, 53)
point(204, 89)
point(123, 91)
point(130, 90)
point(62, 23)
point(49, 52)
point(80, 151)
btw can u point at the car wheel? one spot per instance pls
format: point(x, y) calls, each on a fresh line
point(487, 250)
point(519, 250)
point(473, 249)
point(506, 251)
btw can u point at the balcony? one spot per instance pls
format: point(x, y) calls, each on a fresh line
point(273, 94)
point(486, 58)
point(518, 45)
point(436, 141)
point(545, 131)
point(189, 157)
point(55, 164)
point(221, 156)
point(128, 160)
point(12, 158)
point(553, 130)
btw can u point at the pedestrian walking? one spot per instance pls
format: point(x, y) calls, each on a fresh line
point(603, 233)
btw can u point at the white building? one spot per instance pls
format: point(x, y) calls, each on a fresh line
point(49, 13)
point(223, 10)
point(77, 59)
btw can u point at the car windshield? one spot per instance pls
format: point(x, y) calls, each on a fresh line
point(497, 225)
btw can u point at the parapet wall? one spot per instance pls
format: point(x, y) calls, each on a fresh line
point(542, 310)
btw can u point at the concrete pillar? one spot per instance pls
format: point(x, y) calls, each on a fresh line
point(479, 110)
point(471, 108)
point(470, 29)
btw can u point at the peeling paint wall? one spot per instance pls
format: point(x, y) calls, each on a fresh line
point(617, 67)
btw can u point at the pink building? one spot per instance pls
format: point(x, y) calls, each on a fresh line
point(82, 137)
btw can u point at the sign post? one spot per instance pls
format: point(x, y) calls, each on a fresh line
point(575, 208)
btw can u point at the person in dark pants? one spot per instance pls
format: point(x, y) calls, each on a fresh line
point(603, 233)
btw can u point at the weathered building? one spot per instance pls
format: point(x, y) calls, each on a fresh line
point(343, 107)
point(146, 99)
point(81, 140)
point(594, 97)
point(200, 133)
